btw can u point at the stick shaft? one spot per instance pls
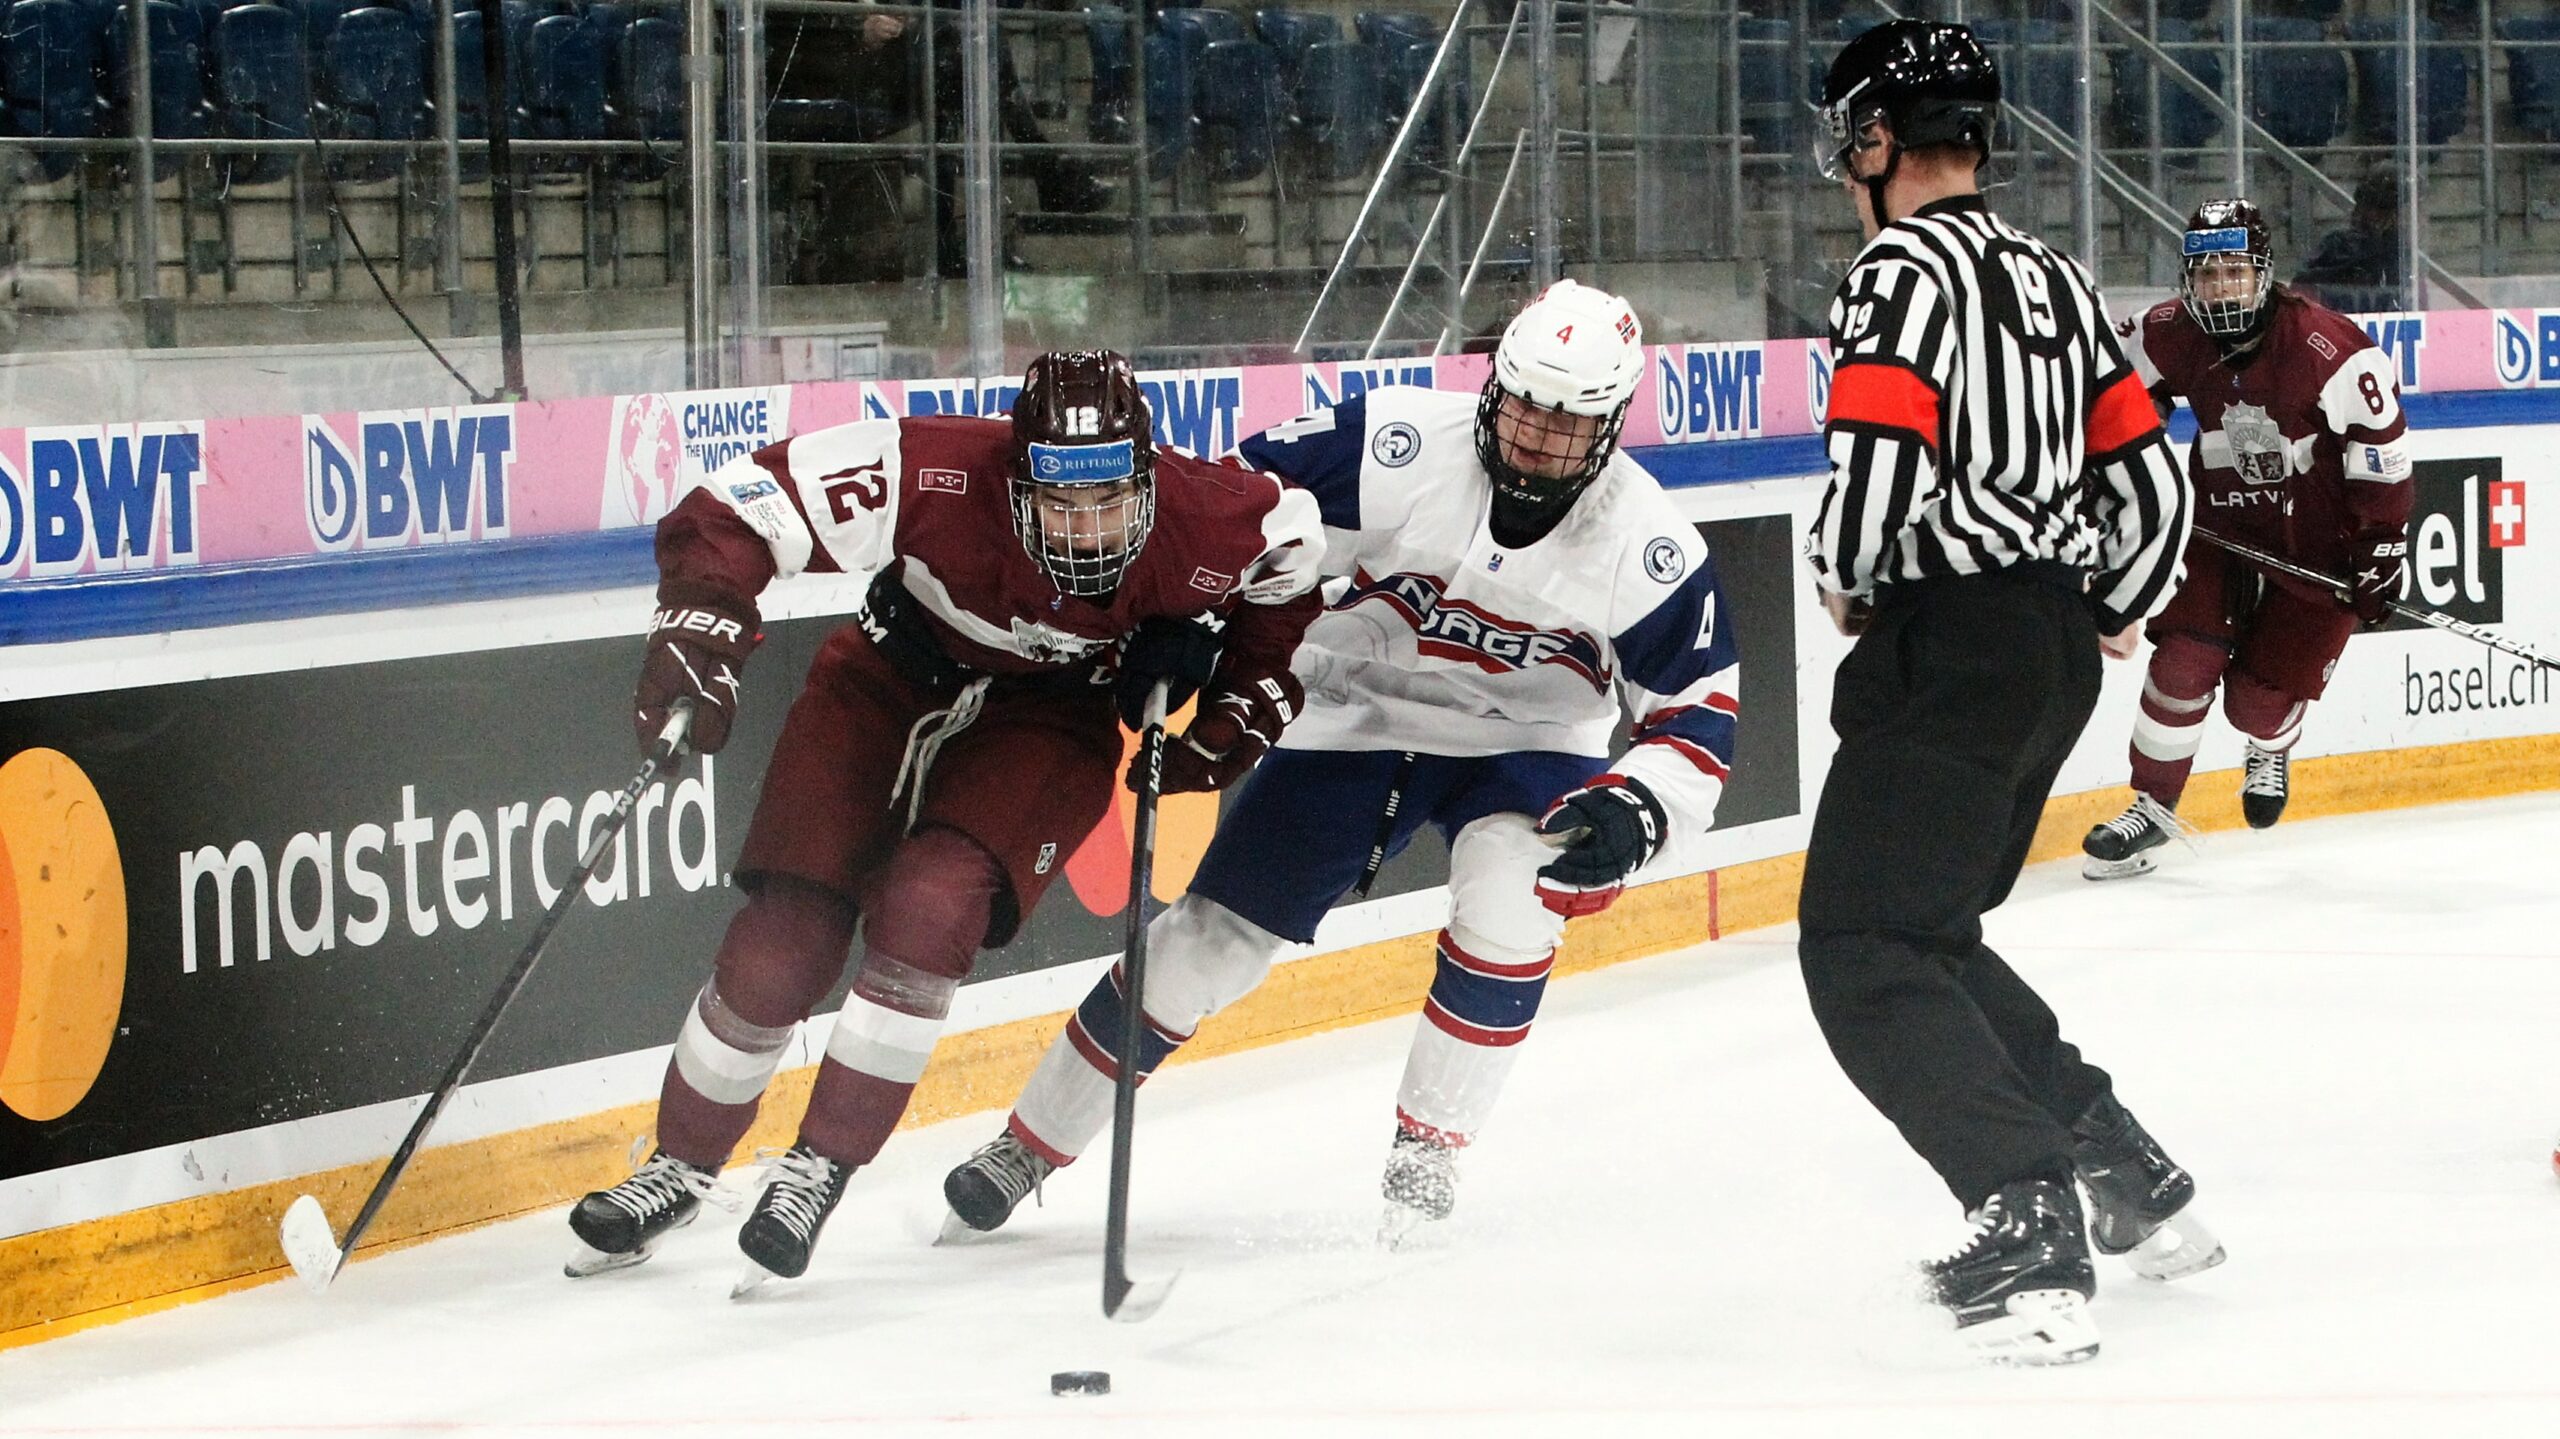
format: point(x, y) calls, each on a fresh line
point(1133, 972)
point(2445, 622)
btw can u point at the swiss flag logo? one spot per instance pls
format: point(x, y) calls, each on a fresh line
point(2506, 514)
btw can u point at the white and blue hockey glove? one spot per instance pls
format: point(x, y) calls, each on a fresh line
point(1609, 828)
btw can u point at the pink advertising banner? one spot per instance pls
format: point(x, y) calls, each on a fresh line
point(93, 499)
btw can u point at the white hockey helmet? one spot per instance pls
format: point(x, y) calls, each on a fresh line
point(1569, 363)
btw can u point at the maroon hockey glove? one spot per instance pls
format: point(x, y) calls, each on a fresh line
point(1230, 733)
point(2380, 556)
point(699, 640)
point(1610, 826)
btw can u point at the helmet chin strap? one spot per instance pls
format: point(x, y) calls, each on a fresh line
point(1876, 183)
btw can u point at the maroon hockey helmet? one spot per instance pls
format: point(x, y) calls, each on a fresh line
point(2227, 261)
point(1084, 492)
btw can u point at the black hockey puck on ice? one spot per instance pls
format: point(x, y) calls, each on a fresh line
point(1080, 1381)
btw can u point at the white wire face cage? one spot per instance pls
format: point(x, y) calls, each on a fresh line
point(1084, 513)
point(2227, 317)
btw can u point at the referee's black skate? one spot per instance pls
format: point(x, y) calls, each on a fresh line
point(985, 1189)
point(2020, 1288)
point(620, 1226)
point(2139, 1197)
point(2121, 847)
point(802, 1189)
point(2265, 779)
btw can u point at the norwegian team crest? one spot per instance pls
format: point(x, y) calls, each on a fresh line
point(2257, 444)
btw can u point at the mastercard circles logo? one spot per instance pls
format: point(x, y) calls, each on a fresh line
point(62, 934)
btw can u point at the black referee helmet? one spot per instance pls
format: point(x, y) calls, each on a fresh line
point(1933, 83)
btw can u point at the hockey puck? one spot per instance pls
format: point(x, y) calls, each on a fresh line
point(1080, 1381)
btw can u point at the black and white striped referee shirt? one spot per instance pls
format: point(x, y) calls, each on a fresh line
point(1982, 415)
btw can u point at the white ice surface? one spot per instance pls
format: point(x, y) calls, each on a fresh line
point(1683, 1221)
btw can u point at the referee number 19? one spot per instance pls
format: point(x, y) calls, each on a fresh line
point(2035, 294)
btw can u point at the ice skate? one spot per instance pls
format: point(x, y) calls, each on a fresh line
point(802, 1190)
point(2138, 1197)
point(985, 1188)
point(2121, 847)
point(621, 1226)
point(2020, 1287)
point(1421, 1184)
point(2267, 776)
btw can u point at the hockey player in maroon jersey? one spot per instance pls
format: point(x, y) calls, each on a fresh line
point(949, 749)
point(2298, 451)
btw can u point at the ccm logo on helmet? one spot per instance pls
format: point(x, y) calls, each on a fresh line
point(698, 621)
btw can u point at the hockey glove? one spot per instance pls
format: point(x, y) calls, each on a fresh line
point(1610, 826)
point(2380, 556)
point(1234, 728)
point(699, 640)
point(1182, 653)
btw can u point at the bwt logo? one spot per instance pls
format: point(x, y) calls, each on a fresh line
point(411, 477)
point(961, 397)
point(2466, 516)
point(2402, 338)
point(1817, 382)
point(112, 497)
point(1708, 392)
point(1351, 380)
point(1198, 410)
point(2528, 347)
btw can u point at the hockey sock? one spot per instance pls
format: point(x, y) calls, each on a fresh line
point(2177, 694)
point(781, 952)
point(1478, 1011)
point(2269, 716)
point(1068, 1100)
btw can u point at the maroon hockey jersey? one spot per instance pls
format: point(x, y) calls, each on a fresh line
point(2299, 445)
point(930, 496)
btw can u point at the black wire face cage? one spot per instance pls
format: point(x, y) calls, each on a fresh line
point(1103, 500)
point(1580, 444)
point(2225, 319)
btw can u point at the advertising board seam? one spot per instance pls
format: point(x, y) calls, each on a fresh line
point(54, 1282)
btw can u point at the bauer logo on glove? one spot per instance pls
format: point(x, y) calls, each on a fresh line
point(1609, 828)
point(699, 640)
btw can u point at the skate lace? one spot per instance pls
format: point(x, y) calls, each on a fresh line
point(798, 1183)
point(660, 1184)
point(1986, 1221)
point(2265, 773)
point(1015, 1170)
point(2148, 812)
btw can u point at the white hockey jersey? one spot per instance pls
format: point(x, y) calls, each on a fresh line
point(1438, 640)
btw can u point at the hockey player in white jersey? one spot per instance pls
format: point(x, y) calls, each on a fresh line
point(1504, 577)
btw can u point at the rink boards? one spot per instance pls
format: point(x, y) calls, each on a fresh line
point(380, 861)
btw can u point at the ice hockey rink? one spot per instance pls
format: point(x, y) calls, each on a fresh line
point(1684, 1220)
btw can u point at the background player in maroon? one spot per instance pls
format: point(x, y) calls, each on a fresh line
point(949, 750)
point(2298, 451)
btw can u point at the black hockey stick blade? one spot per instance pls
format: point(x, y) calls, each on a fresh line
point(313, 1249)
point(1123, 1298)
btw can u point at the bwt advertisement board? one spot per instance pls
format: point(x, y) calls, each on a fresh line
point(236, 902)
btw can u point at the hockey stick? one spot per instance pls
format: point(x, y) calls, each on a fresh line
point(2445, 622)
point(316, 1253)
point(1123, 1298)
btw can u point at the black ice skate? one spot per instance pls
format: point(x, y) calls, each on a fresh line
point(622, 1225)
point(802, 1190)
point(2138, 1196)
point(2020, 1287)
point(987, 1186)
point(2121, 847)
point(1421, 1184)
point(2263, 784)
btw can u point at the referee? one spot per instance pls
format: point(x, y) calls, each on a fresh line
point(2002, 497)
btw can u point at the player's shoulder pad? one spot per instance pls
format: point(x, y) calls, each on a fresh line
point(1319, 452)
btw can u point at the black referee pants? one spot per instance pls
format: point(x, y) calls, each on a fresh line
point(1955, 711)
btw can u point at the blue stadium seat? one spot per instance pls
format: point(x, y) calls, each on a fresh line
point(2444, 80)
point(178, 110)
point(2185, 121)
point(2300, 95)
point(645, 91)
point(2533, 75)
point(563, 88)
point(49, 58)
point(373, 86)
point(1171, 86)
point(261, 85)
point(2039, 66)
point(1238, 98)
point(1290, 32)
point(1402, 44)
point(1333, 108)
point(320, 20)
point(1767, 100)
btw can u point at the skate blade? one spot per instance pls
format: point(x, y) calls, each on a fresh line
point(2093, 867)
point(2040, 1327)
point(2181, 1247)
point(590, 1261)
point(1401, 1223)
point(956, 1231)
point(755, 1278)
